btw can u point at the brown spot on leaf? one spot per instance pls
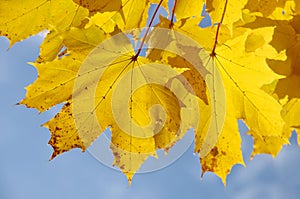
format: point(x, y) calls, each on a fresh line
point(214, 151)
point(122, 167)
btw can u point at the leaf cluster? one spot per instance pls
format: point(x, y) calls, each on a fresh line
point(252, 47)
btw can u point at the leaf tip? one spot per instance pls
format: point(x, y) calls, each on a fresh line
point(202, 174)
point(54, 154)
point(129, 176)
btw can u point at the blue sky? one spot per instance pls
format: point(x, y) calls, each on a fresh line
point(26, 172)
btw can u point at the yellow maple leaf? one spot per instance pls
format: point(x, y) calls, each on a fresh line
point(245, 51)
point(138, 125)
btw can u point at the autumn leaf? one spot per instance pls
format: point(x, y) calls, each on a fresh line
point(244, 96)
point(150, 85)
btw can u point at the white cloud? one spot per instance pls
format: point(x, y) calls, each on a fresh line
point(43, 33)
point(265, 177)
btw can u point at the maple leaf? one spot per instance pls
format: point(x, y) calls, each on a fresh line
point(245, 66)
point(260, 111)
point(245, 100)
point(134, 144)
